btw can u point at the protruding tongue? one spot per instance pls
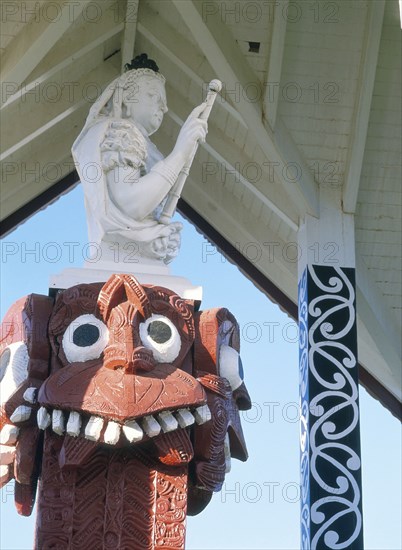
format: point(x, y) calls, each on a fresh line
point(76, 451)
point(174, 448)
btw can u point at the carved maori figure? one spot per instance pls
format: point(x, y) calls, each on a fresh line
point(123, 401)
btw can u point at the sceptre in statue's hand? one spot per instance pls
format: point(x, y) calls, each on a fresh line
point(132, 192)
point(214, 87)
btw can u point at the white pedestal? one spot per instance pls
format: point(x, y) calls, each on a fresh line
point(145, 274)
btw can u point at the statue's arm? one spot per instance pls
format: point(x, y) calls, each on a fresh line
point(138, 196)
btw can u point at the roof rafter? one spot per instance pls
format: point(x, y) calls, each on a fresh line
point(368, 66)
point(68, 50)
point(38, 37)
point(270, 104)
point(130, 28)
point(53, 163)
point(46, 118)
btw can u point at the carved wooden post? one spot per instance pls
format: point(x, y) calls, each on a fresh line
point(331, 506)
point(138, 397)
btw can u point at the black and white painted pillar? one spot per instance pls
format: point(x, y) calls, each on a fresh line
point(331, 506)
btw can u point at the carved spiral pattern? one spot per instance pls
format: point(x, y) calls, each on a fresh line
point(304, 412)
point(332, 319)
point(180, 305)
point(171, 507)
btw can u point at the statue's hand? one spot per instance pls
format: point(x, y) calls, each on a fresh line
point(8, 438)
point(192, 131)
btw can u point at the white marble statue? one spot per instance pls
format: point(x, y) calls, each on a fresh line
point(125, 178)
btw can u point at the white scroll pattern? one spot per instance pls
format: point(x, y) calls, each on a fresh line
point(337, 385)
point(304, 413)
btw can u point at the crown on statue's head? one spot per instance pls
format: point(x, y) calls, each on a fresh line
point(142, 61)
point(141, 65)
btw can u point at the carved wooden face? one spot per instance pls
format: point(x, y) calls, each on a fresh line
point(121, 364)
point(118, 353)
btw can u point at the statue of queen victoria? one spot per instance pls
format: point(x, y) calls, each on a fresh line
point(125, 178)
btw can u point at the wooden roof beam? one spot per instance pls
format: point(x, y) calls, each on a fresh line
point(222, 52)
point(130, 28)
point(368, 66)
point(274, 70)
point(37, 38)
point(41, 124)
point(69, 50)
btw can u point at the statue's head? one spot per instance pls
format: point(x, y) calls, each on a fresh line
point(138, 94)
point(144, 95)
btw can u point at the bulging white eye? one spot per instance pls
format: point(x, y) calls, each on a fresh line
point(230, 366)
point(85, 338)
point(14, 361)
point(159, 335)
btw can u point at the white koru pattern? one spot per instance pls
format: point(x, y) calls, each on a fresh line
point(304, 438)
point(325, 344)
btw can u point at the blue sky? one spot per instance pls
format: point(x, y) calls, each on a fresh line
point(259, 505)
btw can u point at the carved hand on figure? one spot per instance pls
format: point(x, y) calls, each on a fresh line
point(192, 131)
point(159, 246)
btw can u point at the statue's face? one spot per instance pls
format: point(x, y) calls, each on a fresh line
point(146, 104)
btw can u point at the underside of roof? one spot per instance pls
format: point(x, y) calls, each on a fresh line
point(311, 99)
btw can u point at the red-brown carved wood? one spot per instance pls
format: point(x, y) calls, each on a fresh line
point(111, 361)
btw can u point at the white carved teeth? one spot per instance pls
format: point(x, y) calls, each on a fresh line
point(132, 431)
point(74, 424)
point(112, 433)
point(58, 424)
point(30, 395)
point(94, 428)
point(151, 426)
point(43, 418)
point(202, 414)
point(184, 418)
point(9, 434)
point(21, 414)
point(167, 421)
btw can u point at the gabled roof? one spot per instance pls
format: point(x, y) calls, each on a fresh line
point(311, 98)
